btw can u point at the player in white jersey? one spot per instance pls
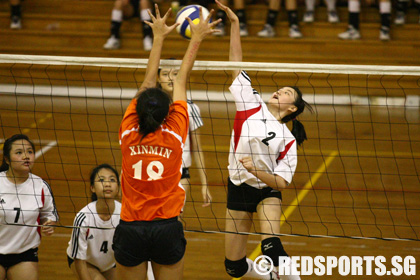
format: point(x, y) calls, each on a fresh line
point(166, 76)
point(90, 254)
point(262, 161)
point(26, 202)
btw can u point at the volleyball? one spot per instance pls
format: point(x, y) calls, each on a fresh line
point(193, 12)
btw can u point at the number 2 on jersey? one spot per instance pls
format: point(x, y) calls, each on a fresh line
point(265, 140)
point(150, 170)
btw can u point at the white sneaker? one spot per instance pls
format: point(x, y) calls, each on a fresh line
point(112, 43)
point(351, 34)
point(220, 28)
point(15, 23)
point(399, 18)
point(294, 32)
point(243, 30)
point(333, 17)
point(147, 43)
point(308, 17)
point(267, 32)
point(384, 34)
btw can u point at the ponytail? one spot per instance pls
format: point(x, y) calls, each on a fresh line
point(7, 147)
point(152, 109)
point(298, 130)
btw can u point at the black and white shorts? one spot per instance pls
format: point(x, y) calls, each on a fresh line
point(246, 198)
point(160, 241)
point(10, 260)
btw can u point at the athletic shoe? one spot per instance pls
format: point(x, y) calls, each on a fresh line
point(147, 43)
point(220, 28)
point(15, 23)
point(267, 32)
point(399, 18)
point(333, 17)
point(384, 34)
point(351, 34)
point(294, 32)
point(308, 17)
point(112, 43)
point(243, 30)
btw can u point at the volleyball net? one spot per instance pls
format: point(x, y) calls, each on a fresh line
point(357, 175)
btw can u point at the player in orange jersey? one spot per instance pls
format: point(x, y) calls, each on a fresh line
point(152, 135)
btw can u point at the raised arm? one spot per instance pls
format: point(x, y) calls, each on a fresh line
point(160, 32)
point(235, 52)
point(199, 31)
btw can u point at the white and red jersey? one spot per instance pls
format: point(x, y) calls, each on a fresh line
point(22, 208)
point(257, 133)
point(151, 168)
point(91, 239)
point(195, 123)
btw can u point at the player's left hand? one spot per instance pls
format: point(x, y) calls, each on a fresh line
point(46, 230)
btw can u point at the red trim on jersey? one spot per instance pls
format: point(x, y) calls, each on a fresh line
point(286, 149)
point(87, 233)
point(240, 118)
point(39, 216)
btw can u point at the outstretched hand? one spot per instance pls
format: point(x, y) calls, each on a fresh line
point(158, 24)
point(204, 27)
point(230, 14)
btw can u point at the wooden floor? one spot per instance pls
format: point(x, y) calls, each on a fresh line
point(360, 165)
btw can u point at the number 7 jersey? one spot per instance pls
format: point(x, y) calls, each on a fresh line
point(151, 169)
point(258, 134)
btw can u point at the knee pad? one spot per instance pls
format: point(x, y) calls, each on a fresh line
point(272, 248)
point(236, 269)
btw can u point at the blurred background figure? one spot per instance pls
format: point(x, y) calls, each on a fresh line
point(15, 15)
point(401, 10)
point(273, 10)
point(126, 9)
point(353, 32)
point(309, 15)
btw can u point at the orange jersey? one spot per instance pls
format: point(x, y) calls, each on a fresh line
point(151, 169)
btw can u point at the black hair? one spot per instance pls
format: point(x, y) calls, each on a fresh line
point(95, 171)
point(152, 109)
point(298, 130)
point(7, 147)
point(160, 69)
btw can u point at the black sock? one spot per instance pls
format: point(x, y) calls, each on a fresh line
point(147, 30)
point(293, 17)
point(386, 20)
point(115, 28)
point(272, 17)
point(15, 10)
point(241, 15)
point(221, 14)
point(401, 6)
point(354, 20)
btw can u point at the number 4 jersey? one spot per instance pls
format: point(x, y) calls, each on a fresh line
point(22, 208)
point(91, 239)
point(151, 168)
point(258, 134)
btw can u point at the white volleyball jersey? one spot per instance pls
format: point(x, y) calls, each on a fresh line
point(257, 133)
point(91, 241)
point(22, 208)
point(195, 123)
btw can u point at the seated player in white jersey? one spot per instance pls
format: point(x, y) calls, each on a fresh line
point(192, 147)
point(26, 202)
point(262, 161)
point(90, 254)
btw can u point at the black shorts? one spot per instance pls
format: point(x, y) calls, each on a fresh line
point(136, 8)
point(161, 241)
point(246, 198)
point(185, 173)
point(10, 260)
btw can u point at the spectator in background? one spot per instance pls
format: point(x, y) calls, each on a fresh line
point(126, 9)
point(15, 15)
point(309, 15)
point(273, 10)
point(401, 10)
point(353, 32)
point(239, 6)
